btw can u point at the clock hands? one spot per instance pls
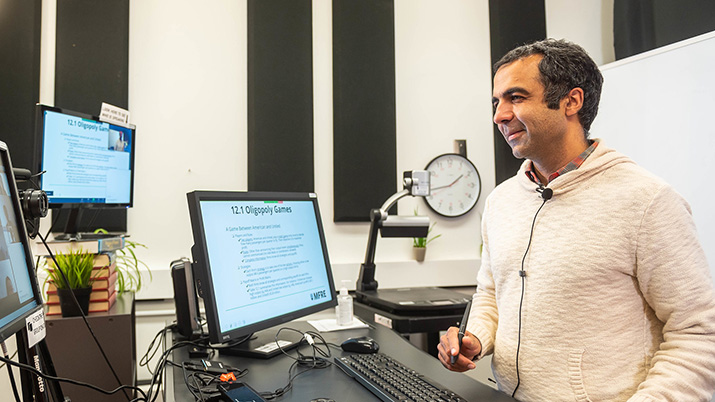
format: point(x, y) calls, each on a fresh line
point(448, 185)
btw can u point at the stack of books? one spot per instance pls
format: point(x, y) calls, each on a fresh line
point(104, 286)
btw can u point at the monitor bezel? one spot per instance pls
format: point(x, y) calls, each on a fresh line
point(202, 270)
point(40, 149)
point(18, 323)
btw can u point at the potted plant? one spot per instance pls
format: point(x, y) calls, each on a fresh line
point(129, 278)
point(77, 267)
point(419, 244)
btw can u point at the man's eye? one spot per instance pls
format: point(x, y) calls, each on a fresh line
point(516, 98)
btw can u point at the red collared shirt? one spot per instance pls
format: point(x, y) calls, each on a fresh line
point(573, 165)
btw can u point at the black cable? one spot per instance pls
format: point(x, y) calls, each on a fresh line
point(33, 182)
point(334, 345)
point(155, 378)
point(227, 345)
point(39, 373)
point(310, 362)
point(309, 338)
point(163, 361)
point(52, 224)
point(12, 383)
point(10, 357)
point(144, 360)
point(188, 385)
point(9, 371)
point(84, 317)
point(55, 217)
point(522, 274)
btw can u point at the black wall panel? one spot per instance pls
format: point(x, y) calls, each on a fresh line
point(280, 95)
point(19, 76)
point(512, 23)
point(92, 60)
point(639, 26)
point(633, 30)
point(92, 64)
point(364, 158)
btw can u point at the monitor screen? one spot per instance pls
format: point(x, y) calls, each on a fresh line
point(19, 294)
point(87, 162)
point(260, 259)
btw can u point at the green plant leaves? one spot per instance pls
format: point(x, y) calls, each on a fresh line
point(77, 267)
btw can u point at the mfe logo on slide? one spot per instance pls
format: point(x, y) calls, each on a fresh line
point(318, 295)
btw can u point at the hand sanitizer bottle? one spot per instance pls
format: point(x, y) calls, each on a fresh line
point(345, 305)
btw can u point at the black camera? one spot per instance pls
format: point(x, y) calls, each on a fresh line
point(33, 202)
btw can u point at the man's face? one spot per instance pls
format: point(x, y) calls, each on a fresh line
point(531, 129)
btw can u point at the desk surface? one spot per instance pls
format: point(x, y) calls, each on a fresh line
point(331, 382)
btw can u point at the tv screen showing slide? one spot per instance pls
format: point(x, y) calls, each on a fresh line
point(260, 259)
point(86, 162)
point(19, 294)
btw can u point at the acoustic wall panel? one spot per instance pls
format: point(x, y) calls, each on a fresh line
point(639, 26)
point(19, 76)
point(92, 62)
point(512, 23)
point(280, 95)
point(364, 156)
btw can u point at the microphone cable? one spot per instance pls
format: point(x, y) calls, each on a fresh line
point(546, 194)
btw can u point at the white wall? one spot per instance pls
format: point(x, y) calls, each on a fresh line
point(187, 96)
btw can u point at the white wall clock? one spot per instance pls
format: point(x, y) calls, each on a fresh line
point(455, 185)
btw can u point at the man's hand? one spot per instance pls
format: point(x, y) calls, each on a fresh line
point(449, 346)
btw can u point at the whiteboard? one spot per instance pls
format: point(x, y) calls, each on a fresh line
point(659, 109)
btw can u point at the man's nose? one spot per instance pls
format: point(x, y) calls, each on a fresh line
point(502, 114)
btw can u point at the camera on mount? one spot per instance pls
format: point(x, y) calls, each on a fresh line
point(34, 202)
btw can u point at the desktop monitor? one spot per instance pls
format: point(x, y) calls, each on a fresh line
point(19, 293)
point(260, 260)
point(87, 163)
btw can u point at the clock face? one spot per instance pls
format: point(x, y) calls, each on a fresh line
point(455, 185)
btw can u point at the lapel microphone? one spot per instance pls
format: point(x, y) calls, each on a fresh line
point(546, 193)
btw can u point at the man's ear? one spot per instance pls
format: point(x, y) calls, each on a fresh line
point(573, 101)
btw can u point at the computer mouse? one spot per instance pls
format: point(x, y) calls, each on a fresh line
point(362, 344)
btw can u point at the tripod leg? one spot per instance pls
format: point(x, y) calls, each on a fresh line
point(38, 357)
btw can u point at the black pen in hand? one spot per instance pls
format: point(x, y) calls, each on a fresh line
point(462, 330)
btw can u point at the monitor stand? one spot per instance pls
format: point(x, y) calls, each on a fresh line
point(87, 236)
point(262, 345)
point(72, 234)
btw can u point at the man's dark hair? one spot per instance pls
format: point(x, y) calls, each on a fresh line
point(564, 66)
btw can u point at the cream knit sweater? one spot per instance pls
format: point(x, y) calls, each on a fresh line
point(618, 302)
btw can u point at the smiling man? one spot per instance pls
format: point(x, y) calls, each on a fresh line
point(593, 284)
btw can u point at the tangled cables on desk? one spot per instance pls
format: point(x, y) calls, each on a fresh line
point(203, 385)
point(200, 383)
point(317, 360)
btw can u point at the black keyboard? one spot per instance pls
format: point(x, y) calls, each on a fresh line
point(391, 380)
